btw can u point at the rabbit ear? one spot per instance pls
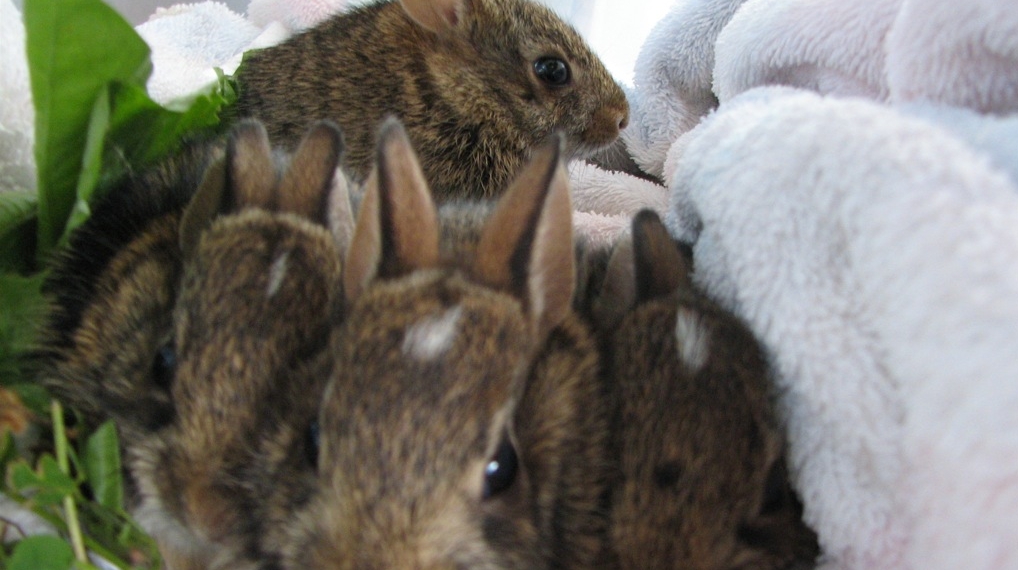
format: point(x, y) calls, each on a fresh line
point(397, 226)
point(618, 291)
point(660, 266)
point(206, 203)
point(435, 15)
point(306, 184)
point(340, 214)
point(526, 247)
point(251, 172)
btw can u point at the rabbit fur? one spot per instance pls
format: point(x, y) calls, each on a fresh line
point(192, 318)
point(462, 75)
point(701, 481)
point(443, 366)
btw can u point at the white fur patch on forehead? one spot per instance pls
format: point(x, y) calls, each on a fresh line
point(430, 337)
point(693, 339)
point(277, 273)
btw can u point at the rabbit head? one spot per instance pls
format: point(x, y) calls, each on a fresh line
point(433, 451)
point(259, 296)
point(112, 290)
point(701, 476)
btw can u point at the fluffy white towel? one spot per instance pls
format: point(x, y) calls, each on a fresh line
point(829, 46)
point(994, 137)
point(17, 115)
point(874, 256)
point(672, 79)
point(294, 16)
point(188, 41)
point(959, 53)
point(605, 202)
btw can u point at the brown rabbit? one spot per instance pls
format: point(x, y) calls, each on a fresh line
point(110, 349)
point(479, 84)
point(259, 296)
point(701, 476)
point(112, 291)
point(462, 426)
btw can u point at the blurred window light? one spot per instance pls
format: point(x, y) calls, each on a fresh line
point(615, 29)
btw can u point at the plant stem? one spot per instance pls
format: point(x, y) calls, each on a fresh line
point(70, 508)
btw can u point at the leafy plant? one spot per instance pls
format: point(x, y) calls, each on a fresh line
point(96, 526)
point(94, 122)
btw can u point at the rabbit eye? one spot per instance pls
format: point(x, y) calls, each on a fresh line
point(312, 442)
point(552, 71)
point(164, 366)
point(500, 472)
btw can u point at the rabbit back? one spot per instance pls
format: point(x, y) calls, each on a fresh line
point(464, 83)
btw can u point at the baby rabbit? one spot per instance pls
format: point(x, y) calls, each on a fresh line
point(120, 345)
point(111, 292)
point(701, 476)
point(259, 295)
point(463, 424)
point(479, 84)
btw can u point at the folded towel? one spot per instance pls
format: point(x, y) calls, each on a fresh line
point(17, 115)
point(294, 16)
point(188, 41)
point(828, 46)
point(672, 79)
point(996, 138)
point(959, 53)
point(873, 254)
point(605, 202)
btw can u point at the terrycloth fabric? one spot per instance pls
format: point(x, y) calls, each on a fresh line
point(604, 202)
point(958, 53)
point(874, 255)
point(828, 46)
point(294, 16)
point(188, 41)
point(996, 138)
point(672, 79)
point(17, 115)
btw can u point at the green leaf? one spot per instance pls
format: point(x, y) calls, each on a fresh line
point(16, 208)
point(75, 48)
point(145, 131)
point(102, 467)
point(17, 240)
point(8, 452)
point(22, 307)
point(91, 162)
point(48, 485)
point(128, 131)
point(42, 552)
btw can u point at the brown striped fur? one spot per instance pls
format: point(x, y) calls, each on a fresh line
point(458, 73)
point(701, 481)
point(441, 361)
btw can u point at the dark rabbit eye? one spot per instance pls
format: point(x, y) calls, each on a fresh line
point(164, 366)
point(500, 472)
point(552, 70)
point(312, 442)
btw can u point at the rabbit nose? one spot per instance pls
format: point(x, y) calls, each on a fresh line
point(623, 121)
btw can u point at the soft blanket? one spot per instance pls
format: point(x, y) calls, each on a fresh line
point(874, 254)
point(862, 219)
